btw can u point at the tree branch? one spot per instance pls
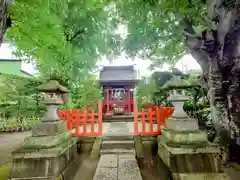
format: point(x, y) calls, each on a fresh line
point(80, 31)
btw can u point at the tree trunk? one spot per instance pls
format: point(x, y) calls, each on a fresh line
point(3, 19)
point(217, 52)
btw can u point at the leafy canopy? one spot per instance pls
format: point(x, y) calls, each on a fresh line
point(66, 37)
point(155, 27)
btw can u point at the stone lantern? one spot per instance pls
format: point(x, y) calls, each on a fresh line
point(180, 120)
point(51, 150)
point(53, 94)
point(182, 147)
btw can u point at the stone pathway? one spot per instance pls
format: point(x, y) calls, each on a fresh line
point(118, 161)
point(117, 167)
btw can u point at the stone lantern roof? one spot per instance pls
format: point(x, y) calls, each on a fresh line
point(52, 86)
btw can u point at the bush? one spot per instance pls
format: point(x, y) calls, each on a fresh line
point(16, 124)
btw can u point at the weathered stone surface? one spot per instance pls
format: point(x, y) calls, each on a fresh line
point(187, 149)
point(46, 141)
point(108, 161)
point(118, 144)
point(186, 162)
point(51, 113)
point(185, 137)
point(185, 124)
point(45, 167)
point(106, 174)
point(44, 153)
point(118, 138)
point(201, 176)
point(128, 168)
point(148, 138)
point(118, 167)
point(117, 151)
point(49, 128)
point(52, 86)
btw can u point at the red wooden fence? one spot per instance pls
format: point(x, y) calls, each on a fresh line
point(85, 122)
point(153, 118)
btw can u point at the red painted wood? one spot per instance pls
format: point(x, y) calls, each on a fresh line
point(146, 117)
point(110, 99)
point(84, 120)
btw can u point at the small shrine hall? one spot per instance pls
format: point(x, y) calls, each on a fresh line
point(118, 84)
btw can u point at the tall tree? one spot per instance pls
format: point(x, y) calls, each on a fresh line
point(207, 29)
point(5, 20)
point(66, 37)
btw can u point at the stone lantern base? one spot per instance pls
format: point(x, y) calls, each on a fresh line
point(49, 154)
point(188, 155)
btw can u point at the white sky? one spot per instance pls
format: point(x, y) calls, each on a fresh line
point(186, 63)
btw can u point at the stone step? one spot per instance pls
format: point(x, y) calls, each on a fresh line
point(118, 118)
point(118, 151)
point(113, 137)
point(117, 167)
point(118, 144)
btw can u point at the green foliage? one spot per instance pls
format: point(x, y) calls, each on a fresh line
point(145, 90)
point(19, 97)
point(18, 124)
point(155, 28)
point(85, 93)
point(64, 37)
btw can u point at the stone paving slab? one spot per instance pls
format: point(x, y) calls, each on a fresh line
point(108, 161)
point(117, 167)
point(105, 174)
point(128, 169)
point(118, 151)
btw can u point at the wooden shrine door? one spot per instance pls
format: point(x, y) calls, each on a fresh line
point(119, 96)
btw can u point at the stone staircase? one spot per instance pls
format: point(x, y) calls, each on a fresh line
point(117, 161)
point(118, 145)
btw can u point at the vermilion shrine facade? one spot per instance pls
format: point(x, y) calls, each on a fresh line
point(118, 83)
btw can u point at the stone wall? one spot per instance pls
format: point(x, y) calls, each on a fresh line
point(145, 144)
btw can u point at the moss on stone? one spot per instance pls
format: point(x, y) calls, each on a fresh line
point(96, 148)
point(138, 147)
point(4, 169)
point(52, 86)
point(46, 141)
point(194, 145)
point(182, 132)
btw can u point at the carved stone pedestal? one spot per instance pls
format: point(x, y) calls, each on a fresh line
point(49, 157)
point(198, 161)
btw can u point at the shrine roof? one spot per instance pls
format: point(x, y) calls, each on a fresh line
point(118, 74)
